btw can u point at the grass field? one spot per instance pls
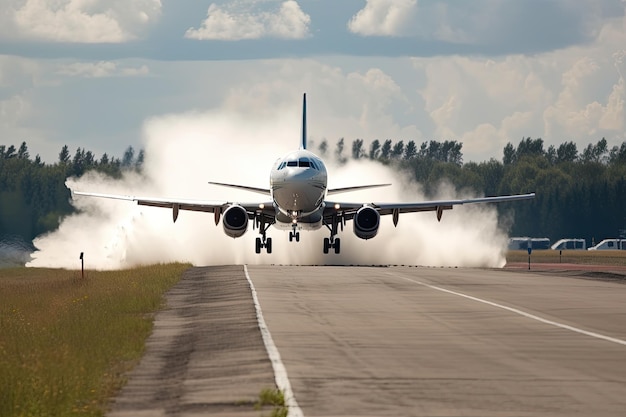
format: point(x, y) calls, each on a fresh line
point(587, 257)
point(65, 342)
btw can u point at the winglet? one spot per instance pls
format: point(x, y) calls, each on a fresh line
point(303, 139)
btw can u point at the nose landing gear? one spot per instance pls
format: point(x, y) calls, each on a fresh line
point(294, 234)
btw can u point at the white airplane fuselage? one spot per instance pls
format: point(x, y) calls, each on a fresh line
point(298, 184)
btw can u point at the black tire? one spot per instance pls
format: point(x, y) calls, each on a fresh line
point(337, 245)
point(326, 244)
point(291, 236)
point(268, 245)
point(297, 236)
point(257, 247)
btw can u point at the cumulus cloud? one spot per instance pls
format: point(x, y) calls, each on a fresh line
point(383, 18)
point(490, 26)
point(101, 69)
point(79, 21)
point(236, 21)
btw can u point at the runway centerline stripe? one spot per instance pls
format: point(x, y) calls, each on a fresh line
point(280, 372)
point(521, 313)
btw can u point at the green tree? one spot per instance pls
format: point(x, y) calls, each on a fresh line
point(398, 150)
point(22, 153)
point(64, 155)
point(596, 153)
point(385, 150)
point(339, 151)
point(357, 149)
point(410, 152)
point(566, 152)
point(374, 149)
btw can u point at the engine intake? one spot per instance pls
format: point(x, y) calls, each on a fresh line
point(366, 222)
point(235, 221)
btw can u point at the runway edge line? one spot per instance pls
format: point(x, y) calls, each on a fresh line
point(280, 372)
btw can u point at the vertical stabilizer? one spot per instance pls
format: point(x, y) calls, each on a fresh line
point(303, 139)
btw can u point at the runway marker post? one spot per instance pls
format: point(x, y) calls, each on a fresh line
point(530, 249)
point(82, 266)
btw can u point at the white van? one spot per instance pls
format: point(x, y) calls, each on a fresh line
point(522, 243)
point(610, 244)
point(567, 244)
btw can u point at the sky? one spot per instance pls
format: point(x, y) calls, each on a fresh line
point(95, 73)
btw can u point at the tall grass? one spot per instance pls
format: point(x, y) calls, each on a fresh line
point(65, 342)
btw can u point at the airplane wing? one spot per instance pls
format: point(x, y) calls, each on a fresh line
point(218, 207)
point(264, 191)
point(357, 188)
point(350, 209)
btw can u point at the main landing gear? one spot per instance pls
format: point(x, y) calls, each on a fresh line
point(263, 241)
point(332, 242)
point(266, 243)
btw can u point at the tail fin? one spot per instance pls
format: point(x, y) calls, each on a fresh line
point(303, 139)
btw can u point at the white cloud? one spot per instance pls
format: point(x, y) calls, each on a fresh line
point(234, 22)
point(78, 21)
point(582, 108)
point(383, 17)
point(101, 69)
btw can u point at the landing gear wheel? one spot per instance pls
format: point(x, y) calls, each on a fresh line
point(337, 245)
point(326, 244)
point(268, 245)
point(294, 235)
point(258, 245)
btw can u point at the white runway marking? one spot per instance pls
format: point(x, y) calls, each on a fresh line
point(280, 372)
point(520, 312)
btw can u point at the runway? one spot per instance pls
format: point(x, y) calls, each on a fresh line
point(359, 341)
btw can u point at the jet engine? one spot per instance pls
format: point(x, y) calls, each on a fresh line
point(366, 222)
point(235, 221)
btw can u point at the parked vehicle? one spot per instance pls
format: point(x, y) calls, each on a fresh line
point(522, 243)
point(570, 244)
point(610, 244)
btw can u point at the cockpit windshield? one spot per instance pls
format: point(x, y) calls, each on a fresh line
point(301, 162)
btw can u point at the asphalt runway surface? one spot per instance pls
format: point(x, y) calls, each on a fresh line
point(387, 341)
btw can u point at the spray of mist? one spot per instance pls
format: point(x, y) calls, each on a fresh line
point(184, 152)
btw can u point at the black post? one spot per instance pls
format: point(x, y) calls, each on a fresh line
point(82, 266)
point(560, 253)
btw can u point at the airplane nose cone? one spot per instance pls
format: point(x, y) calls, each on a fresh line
point(300, 191)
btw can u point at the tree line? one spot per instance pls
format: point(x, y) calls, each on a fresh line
point(580, 194)
point(33, 195)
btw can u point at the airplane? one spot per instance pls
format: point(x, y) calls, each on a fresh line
point(297, 201)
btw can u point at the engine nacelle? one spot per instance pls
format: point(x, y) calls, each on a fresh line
point(366, 222)
point(235, 221)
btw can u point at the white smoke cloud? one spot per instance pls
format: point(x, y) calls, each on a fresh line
point(185, 151)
